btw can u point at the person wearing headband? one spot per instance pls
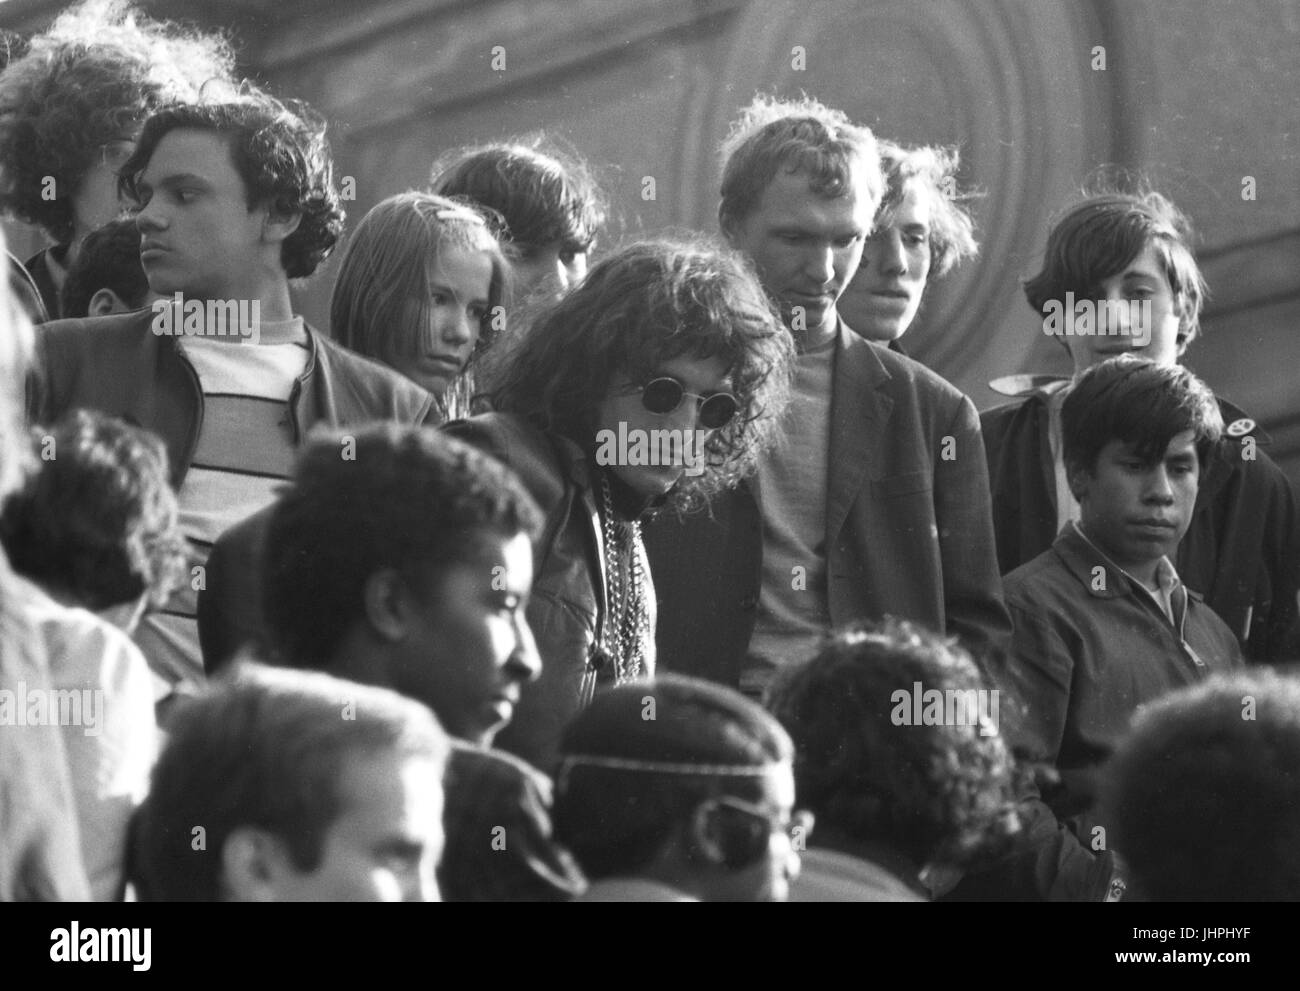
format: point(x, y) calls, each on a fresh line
point(677, 789)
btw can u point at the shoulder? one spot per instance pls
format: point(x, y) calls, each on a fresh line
point(340, 363)
point(97, 333)
point(1038, 579)
point(910, 376)
point(526, 449)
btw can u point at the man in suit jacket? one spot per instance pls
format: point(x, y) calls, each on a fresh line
point(876, 500)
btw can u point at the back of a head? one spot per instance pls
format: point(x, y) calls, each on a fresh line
point(281, 153)
point(935, 791)
point(805, 137)
point(1139, 402)
point(109, 259)
point(1097, 237)
point(636, 763)
point(543, 193)
point(406, 498)
point(98, 521)
point(1203, 795)
point(264, 747)
point(91, 78)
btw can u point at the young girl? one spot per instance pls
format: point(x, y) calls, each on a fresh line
point(655, 382)
point(422, 287)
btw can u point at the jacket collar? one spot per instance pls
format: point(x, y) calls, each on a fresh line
point(860, 412)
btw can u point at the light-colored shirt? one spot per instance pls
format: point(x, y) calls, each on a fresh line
point(104, 699)
point(245, 451)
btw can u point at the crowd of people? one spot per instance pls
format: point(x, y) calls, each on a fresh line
point(554, 571)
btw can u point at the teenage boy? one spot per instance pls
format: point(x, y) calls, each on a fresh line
point(679, 790)
point(1103, 624)
point(235, 200)
point(1118, 275)
point(302, 787)
point(876, 500)
point(410, 567)
point(922, 229)
point(550, 203)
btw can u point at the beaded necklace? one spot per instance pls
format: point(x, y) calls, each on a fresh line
point(628, 622)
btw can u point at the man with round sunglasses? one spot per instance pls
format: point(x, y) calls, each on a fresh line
point(876, 500)
point(655, 382)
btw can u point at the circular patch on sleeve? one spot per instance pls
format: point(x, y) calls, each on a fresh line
point(1239, 428)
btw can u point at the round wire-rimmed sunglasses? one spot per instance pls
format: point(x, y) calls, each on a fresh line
point(664, 394)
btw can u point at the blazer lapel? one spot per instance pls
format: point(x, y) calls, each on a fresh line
point(860, 411)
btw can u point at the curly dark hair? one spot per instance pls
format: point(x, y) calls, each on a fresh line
point(941, 793)
point(98, 520)
point(647, 303)
point(413, 500)
point(281, 153)
point(92, 78)
point(109, 259)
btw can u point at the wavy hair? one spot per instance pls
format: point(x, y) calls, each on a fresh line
point(797, 136)
point(279, 150)
point(92, 78)
point(933, 169)
point(647, 303)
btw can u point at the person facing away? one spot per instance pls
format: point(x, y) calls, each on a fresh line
point(875, 501)
point(906, 795)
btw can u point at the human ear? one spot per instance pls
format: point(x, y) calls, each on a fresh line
point(253, 862)
point(387, 610)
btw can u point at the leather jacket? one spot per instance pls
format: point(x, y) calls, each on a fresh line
point(118, 365)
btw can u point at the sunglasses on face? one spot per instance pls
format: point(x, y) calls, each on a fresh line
point(664, 394)
point(796, 825)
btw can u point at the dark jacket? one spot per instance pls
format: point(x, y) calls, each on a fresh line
point(497, 815)
point(568, 604)
point(42, 280)
point(908, 528)
point(1089, 650)
point(1242, 550)
point(118, 365)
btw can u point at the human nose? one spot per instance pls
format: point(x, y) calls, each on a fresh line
point(459, 328)
point(1159, 486)
point(889, 253)
point(525, 658)
point(421, 885)
point(150, 217)
point(820, 264)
